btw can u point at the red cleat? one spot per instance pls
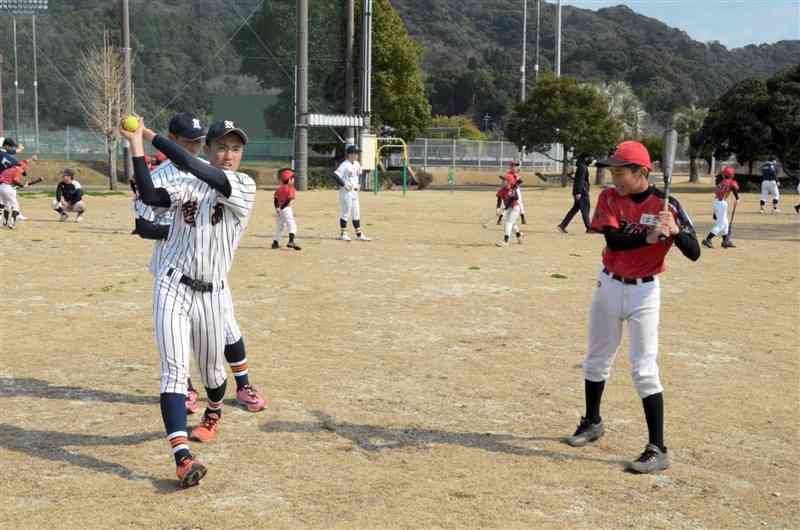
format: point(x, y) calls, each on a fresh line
point(250, 398)
point(207, 430)
point(190, 471)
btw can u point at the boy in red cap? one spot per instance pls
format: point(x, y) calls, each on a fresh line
point(725, 187)
point(508, 197)
point(639, 230)
point(284, 196)
point(513, 174)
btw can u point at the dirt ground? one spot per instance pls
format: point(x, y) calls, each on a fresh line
point(421, 380)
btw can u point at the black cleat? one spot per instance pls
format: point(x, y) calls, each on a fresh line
point(707, 243)
point(275, 245)
point(293, 245)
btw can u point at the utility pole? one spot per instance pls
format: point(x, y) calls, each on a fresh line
point(538, 24)
point(35, 86)
point(366, 65)
point(301, 120)
point(524, 48)
point(350, 135)
point(128, 97)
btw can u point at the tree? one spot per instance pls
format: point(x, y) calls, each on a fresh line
point(454, 127)
point(101, 90)
point(559, 110)
point(624, 105)
point(688, 122)
point(733, 124)
point(782, 113)
point(398, 92)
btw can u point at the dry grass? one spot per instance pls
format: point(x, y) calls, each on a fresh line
point(421, 380)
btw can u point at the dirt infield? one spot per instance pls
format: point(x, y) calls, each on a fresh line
point(421, 380)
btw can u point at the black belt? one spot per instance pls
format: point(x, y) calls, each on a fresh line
point(196, 285)
point(629, 281)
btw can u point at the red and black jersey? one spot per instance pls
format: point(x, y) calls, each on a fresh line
point(634, 215)
point(508, 197)
point(284, 195)
point(725, 187)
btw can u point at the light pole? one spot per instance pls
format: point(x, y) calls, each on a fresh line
point(17, 8)
point(301, 123)
point(524, 48)
point(128, 101)
point(538, 23)
point(348, 69)
point(558, 38)
point(2, 121)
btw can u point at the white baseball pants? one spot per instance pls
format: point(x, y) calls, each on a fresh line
point(770, 187)
point(721, 212)
point(190, 321)
point(613, 303)
point(521, 204)
point(285, 219)
point(350, 207)
point(511, 218)
point(8, 197)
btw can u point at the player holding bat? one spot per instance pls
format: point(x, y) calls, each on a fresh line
point(10, 180)
point(640, 224)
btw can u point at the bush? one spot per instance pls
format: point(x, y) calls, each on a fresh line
point(392, 178)
point(321, 178)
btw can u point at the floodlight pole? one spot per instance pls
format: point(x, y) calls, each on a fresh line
point(348, 84)
point(16, 81)
point(35, 86)
point(524, 48)
point(126, 51)
point(2, 121)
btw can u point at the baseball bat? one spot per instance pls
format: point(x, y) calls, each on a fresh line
point(34, 181)
point(733, 216)
point(667, 164)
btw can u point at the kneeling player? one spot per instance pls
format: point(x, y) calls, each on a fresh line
point(69, 197)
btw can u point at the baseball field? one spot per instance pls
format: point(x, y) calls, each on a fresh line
point(423, 379)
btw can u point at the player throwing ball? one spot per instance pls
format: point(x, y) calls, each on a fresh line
point(639, 232)
point(725, 187)
point(508, 197)
point(348, 175)
point(213, 208)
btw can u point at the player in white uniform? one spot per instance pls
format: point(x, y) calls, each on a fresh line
point(186, 130)
point(212, 209)
point(348, 175)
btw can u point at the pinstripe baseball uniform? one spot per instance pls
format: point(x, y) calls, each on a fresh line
point(165, 174)
point(205, 232)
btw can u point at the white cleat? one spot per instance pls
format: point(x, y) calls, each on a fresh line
point(21, 217)
point(502, 243)
point(344, 237)
point(79, 218)
point(362, 237)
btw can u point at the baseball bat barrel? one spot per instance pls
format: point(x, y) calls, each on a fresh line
point(668, 160)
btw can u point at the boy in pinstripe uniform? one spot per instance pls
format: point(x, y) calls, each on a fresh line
point(212, 207)
point(186, 130)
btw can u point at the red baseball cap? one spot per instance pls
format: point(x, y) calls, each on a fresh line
point(729, 172)
point(628, 153)
point(285, 175)
point(514, 163)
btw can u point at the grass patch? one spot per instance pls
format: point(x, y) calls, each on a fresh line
point(559, 276)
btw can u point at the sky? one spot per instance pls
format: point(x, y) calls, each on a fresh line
point(734, 23)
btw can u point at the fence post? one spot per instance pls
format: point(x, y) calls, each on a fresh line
point(480, 148)
point(425, 164)
point(500, 160)
point(454, 152)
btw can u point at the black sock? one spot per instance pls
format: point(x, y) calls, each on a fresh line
point(291, 238)
point(215, 397)
point(519, 235)
point(763, 203)
point(594, 394)
point(774, 203)
point(710, 236)
point(654, 414)
point(189, 383)
point(173, 412)
point(357, 225)
point(237, 359)
point(505, 238)
point(343, 224)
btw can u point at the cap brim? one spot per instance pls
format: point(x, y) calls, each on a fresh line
point(613, 162)
point(238, 132)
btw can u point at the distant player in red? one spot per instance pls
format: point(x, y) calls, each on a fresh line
point(726, 187)
point(514, 175)
point(638, 233)
point(508, 198)
point(10, 180)
point(284, 197)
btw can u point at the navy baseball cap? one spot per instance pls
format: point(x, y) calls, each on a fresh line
point(222, 128)
point(9, 142)
point(352, 149)
point(186, 125)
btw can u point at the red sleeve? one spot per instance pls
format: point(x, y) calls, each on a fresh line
point(17, 178)
point(292, 193)
point(605, 213)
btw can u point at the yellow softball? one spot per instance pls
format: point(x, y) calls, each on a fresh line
point(131, 123)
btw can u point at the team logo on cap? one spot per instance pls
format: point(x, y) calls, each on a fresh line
point(196, 124)
point(229, 125)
